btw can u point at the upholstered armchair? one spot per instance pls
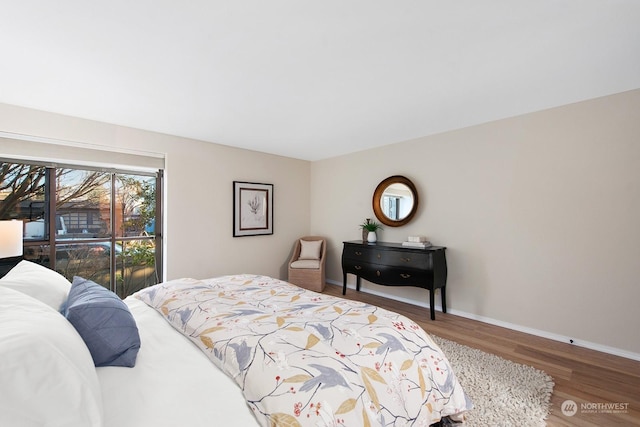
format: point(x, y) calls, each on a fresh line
point(306, 266)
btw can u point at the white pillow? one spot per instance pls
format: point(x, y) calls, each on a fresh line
point(47, 376)
point(38, 282)
point(310, 249)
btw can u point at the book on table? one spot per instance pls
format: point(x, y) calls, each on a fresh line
point(422, 245)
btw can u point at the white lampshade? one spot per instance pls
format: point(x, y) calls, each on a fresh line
point(10, 239)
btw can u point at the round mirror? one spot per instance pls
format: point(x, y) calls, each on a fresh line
point(395, 201)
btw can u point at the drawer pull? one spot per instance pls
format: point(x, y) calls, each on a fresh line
point(406, 259)
point(357, 267)
point(378, 273)
point(405, 275)
point(358, 253)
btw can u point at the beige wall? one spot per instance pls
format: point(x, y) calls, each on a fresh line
point(540, 215)
point(199, 176)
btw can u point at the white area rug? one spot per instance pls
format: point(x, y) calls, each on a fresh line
point(504, 393)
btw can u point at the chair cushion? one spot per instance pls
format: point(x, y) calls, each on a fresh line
point(310, 249)
point(306, 263)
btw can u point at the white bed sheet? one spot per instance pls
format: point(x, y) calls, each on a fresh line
point(172, 384)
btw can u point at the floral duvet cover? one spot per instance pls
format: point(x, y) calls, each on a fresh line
point(306, 359)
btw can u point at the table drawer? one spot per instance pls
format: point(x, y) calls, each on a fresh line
point(385, 275)
point(358, 253)
point(406, 259)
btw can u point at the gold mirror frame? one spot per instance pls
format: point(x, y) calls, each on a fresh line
point(377, 198)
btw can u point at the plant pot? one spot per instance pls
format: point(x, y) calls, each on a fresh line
point(372, 237)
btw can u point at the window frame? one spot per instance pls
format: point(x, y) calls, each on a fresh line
point(50, 212)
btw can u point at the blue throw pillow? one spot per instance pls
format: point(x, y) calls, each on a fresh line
point(104, 322)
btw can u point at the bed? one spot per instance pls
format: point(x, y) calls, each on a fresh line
point(241, 350)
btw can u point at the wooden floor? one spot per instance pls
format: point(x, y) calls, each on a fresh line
point(585, 376)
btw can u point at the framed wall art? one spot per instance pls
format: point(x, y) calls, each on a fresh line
point(252, 209)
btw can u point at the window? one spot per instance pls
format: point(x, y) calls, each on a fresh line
point(97, 224)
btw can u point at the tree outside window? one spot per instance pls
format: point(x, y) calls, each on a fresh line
point(101, 226)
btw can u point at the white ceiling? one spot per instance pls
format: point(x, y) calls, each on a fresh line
point(313, 79)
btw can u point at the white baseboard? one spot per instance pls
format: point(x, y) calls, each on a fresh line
point(544, 334)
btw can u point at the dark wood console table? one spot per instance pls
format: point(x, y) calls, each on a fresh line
point(392, 264)
point(6, 264)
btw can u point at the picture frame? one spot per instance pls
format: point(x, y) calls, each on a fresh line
point(252, 209)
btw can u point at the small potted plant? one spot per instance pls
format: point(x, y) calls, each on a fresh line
point(369, 229)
